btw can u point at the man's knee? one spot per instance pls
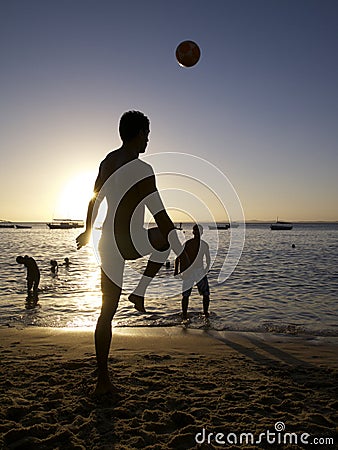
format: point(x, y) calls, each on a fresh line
point(108, 287)
point(110, 297)
point(109, 306)
point(108, 311)
point(157, 240)
point(158, 257)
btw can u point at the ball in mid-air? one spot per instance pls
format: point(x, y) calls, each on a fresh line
point(188, 53)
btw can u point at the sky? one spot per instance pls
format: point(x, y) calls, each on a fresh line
point(261, 105)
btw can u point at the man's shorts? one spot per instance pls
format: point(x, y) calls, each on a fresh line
point(202, 286)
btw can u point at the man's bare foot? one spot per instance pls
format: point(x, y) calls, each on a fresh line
point(104, 388)
point(138, 302)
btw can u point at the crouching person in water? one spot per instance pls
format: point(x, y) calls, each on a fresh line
point(194, 271)
point(33, 273)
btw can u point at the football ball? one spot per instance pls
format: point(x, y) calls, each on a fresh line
point(188, 53)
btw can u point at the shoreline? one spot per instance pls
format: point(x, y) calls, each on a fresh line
point(174, 383)
point(64, 340)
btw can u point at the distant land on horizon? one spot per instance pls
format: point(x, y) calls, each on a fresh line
point(249, 221)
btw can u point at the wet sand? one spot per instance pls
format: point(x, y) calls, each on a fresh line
point(180, 389)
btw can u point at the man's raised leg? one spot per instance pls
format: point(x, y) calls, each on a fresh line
point(137, 297)
point(160, 250)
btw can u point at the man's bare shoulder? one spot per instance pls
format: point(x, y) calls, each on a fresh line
point(111, 158)
point(147, 168)
point(118, 158)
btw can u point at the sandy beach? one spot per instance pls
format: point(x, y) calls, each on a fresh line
point(180, 389)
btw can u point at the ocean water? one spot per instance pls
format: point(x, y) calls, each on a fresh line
point(274, 287)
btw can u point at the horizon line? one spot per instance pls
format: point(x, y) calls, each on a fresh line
point(191, 221)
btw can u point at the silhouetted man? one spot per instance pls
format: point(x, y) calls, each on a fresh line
point(195, 270)
point(128, 185)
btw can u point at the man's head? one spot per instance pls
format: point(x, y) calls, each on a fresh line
point(20, 260)
point(135, 125)
point(197, 230)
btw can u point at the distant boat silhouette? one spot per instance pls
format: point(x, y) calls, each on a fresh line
point(280, 225)
point(66, 224)
point(6, 224)
point(220, 226)
point(22, 226)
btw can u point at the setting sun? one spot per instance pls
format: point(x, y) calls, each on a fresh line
point(74, 197)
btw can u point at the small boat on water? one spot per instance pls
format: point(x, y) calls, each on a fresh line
point(65, 224)
point(280, 225)
point(219, 226)
point(6, 224)
point(21, 227)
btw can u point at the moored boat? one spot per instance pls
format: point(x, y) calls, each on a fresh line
point(219, 226)
point(65, 224)
point(6, 224)
point(280, 225)
point(21, 227)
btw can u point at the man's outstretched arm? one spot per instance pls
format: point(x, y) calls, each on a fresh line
point(84, 237)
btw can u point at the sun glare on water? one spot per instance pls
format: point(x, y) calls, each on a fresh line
point(74, 197)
